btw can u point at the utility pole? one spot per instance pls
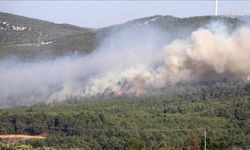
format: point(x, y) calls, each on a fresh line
point(205, 140)
point(216, 8)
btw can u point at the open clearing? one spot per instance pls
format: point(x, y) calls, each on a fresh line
point(21, 136)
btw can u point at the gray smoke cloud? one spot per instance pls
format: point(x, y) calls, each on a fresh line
point(132, 61)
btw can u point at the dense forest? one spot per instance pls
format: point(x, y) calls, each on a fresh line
point(170, 119)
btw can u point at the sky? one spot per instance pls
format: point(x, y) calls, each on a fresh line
point(98, 14)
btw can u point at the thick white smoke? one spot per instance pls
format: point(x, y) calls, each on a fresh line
point(132, 61)
point(208, 54)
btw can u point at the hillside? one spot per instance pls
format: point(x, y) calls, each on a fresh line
point(175, 27)
point(17, 29)
point(172, 121)
point(29, 38)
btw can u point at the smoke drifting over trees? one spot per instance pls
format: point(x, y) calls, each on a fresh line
point(132, 61)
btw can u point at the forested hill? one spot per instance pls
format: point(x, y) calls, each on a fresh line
point(169, 122)
point(29, 38)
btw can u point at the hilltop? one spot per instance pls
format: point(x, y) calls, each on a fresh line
point(29, 38)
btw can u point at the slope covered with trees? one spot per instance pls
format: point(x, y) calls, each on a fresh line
point(170, 121)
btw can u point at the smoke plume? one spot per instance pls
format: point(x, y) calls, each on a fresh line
point(132, 61)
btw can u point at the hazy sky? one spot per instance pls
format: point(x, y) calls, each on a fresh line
point(104, 13)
